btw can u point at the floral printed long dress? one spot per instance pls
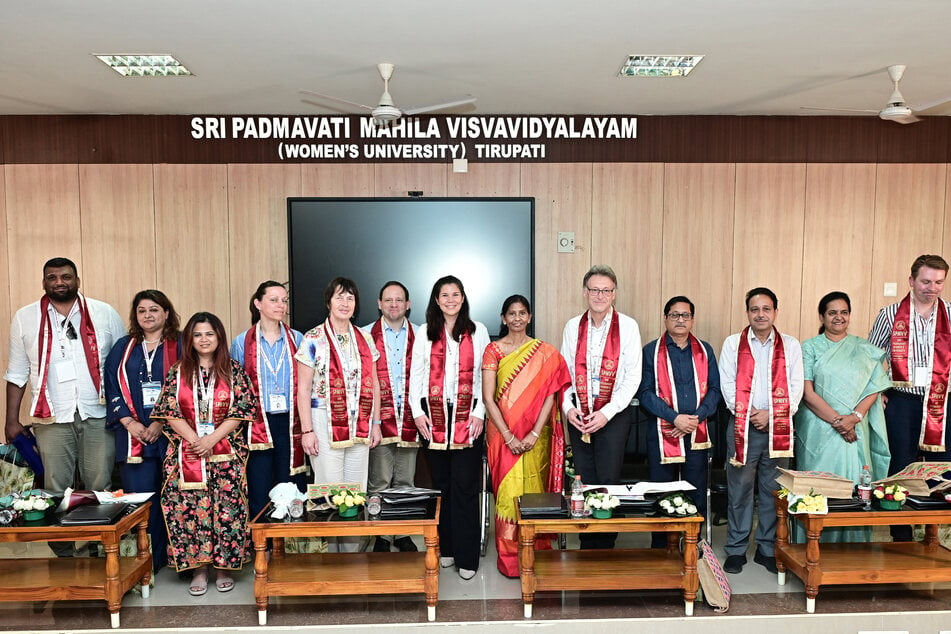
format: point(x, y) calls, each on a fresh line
point(209, 525)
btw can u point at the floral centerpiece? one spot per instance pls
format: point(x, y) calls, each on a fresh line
point(348, 502)
point(890, 497)
point(601, 505)
point(33, 507)
point(811, 504)
point(676, 505)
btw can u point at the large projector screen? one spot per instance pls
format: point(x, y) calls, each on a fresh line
point(488, 243)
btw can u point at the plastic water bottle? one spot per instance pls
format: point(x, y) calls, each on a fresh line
point(865, 487)
point(577, 497)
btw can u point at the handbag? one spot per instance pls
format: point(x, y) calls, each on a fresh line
point(713, 581)
point(15, 475)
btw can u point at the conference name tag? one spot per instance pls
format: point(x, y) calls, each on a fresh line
point(150, 393)
point(922, 377)
point(205, 429)
point(276, 403)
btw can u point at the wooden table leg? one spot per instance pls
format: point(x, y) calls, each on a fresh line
point(931, 536)
point(431, 579)
point(813, 570)
point(691, 578)
point(526, 566)
point(142, 551)
point(260, 576)
point(112, 590)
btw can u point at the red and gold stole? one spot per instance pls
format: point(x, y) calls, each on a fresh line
point(169, 357)
point(40, 408)
point(672, 449)
point(193, 473)
point(780, 421)
point(339, 415)
point(459, 436)
point(401, 431)
point(259, 432)
point(932, 436)
point(609, 364)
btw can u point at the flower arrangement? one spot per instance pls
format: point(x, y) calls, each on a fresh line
point(890, 497)
point(348, 502)
point(601, 505)
point(677, 505)
point(33, 507)
point(812, 503)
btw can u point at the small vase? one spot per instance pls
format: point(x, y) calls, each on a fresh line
point(888, 505)
point(602, 514)
point(34, 516)
point(348, 512)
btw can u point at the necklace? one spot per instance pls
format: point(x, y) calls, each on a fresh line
point(151, 340)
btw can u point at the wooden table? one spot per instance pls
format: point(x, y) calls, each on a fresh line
point(616, 569)
point(72, 578)
point(860, 563)
point(345, 573)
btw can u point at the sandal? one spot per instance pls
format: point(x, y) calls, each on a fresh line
point(224, 583)
point(199, 585)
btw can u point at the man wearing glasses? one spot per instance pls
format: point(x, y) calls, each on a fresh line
point(60, 344)
point(761, 377)
point(603, 350)
point(680, 386)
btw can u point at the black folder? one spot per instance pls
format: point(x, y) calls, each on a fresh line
point(94, 514)
point(542, 505)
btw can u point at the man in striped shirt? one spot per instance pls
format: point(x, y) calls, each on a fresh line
point(916, 336)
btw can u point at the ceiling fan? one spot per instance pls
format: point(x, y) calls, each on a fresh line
point(387, 112)
point(895, 109)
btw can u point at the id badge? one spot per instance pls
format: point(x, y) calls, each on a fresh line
point(922, 377)
point(150, 393)
point(276, 403)
point(65, 371)
point(205, 428)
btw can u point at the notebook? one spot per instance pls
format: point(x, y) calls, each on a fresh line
point(94, 514)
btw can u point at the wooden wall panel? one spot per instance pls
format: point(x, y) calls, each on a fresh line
point(562, 203)
point(323, 181)
point(191, 238)
point(627, 223)
point(42, 204)
point(839, 221)
point(118, 229)
point(257, 220)
point(485, 179)
point(698, 243)
point(6, 306)
point(946, 247)
point(768, 237)
point(909, 221)
point(395, 179)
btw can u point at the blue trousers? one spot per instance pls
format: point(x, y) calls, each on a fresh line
point(693, 470)
point(267, 467)
point(903, 423)
point(141, 478)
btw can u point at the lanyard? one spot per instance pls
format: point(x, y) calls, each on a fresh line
point(149, 358)
point(205, 392)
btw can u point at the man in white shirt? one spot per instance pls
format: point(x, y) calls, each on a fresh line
point(761, 381)
point(602, 348)
point(393, 461)
point(60, 344)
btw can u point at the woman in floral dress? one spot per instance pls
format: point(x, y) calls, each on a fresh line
point(206, 403)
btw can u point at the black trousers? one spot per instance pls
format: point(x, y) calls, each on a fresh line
point(600, 462)
point(457, 473)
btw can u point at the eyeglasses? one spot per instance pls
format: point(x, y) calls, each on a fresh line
point(600, 291)
point(679, 316)
point(70, 331)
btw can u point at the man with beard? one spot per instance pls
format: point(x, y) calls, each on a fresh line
point(393, 461)
point(60, 344)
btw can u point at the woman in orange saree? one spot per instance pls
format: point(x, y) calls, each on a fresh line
point(525, 442)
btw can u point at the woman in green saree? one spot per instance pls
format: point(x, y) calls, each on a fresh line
point(525, 442)
point(842, 426)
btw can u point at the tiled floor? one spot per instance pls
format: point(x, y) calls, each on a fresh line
point(489, 597)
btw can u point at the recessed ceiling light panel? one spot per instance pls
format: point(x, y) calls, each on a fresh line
point(145, 65)
point(659, 65)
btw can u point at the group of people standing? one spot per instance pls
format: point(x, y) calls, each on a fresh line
point(213, 432)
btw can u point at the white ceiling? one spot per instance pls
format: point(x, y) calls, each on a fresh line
point(763, 57)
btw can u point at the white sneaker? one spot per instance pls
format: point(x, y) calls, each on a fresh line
point(447, 562)
point(466, 574)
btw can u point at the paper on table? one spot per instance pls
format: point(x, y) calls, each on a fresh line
point(107, 497)
point(640, 489)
